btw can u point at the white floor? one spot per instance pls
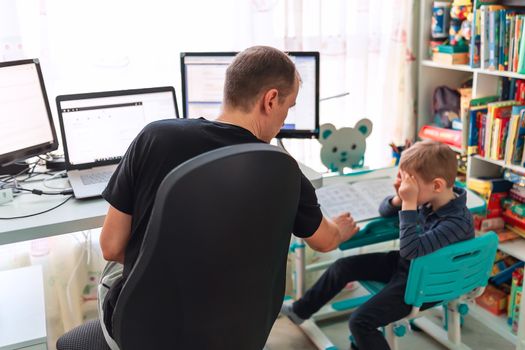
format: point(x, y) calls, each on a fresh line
point(285, 335)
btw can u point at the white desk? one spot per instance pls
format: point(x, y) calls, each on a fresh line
point(75, 215)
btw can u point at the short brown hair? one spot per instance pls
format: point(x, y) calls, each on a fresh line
point(255, 70)
point(430, 160)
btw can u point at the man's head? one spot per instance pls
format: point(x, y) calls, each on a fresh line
point(434, 166)
point(262, 81)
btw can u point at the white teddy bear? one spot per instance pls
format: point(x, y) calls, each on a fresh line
point(344, 147)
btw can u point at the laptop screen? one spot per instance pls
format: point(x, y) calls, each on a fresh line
point(98, 128)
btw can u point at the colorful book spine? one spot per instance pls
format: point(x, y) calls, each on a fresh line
point(501, 41)
point(474, 46)
point(493, 39)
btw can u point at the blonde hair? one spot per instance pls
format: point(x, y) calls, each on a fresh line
point(430, 160)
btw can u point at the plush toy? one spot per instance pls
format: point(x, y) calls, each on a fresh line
point(344, 147)
point(460, 15)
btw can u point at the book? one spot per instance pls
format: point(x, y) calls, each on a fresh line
point(464, 116)
point(487, 186)
point(513, 135)
point(361, 199)
point(496, 110)
point(520, 139)
point(448, 136)
point(501, 42)
point(474, 47)
point(521, 54)
point(475, 115)
point(493, 36)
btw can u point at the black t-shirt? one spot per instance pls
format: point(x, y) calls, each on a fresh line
point(159, 148)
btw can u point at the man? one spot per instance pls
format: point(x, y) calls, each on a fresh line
point(261, 84)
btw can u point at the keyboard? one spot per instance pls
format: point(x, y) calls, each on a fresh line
point(95, 178)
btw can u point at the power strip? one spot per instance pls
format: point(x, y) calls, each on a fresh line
point(6, 195)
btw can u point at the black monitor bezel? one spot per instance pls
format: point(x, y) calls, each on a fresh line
point(35, 150)
point(88, 95)
point(283, 133)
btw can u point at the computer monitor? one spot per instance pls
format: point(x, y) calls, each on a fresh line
point(203, 75)
point(26, 123)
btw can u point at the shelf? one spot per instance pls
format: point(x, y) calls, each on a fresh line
point(515, 248)
point(460, 67)
point(502, 164)
point(467, 68)
point(496, 323)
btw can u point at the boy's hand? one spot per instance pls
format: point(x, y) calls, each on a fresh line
point(396, 200)
point(408, 191)
point(347, 226)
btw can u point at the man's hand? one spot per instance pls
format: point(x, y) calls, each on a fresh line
point(346, 225)
point(408, 191)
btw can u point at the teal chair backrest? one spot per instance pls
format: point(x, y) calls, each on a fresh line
point(451, 272)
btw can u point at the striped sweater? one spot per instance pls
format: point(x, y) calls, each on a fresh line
point(423, 231)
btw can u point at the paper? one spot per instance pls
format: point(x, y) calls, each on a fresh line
point(361, 199)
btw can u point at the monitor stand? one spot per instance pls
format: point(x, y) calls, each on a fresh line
point(13, 169)
point(315, 178)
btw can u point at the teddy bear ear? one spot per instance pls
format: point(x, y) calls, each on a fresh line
point(364, 126)
point(325, 131)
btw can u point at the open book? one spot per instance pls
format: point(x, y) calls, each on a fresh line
point(361, 199)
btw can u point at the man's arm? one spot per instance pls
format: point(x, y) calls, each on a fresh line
point(330, 233)
point(115, 235)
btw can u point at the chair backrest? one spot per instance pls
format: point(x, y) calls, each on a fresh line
point(450, 272)
point(211, 271)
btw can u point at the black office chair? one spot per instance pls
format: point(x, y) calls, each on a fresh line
point(211, 271)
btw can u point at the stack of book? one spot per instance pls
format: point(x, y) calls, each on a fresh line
point(496, 43)
point(491, 126)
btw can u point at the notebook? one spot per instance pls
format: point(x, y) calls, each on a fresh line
point(97, 129)
point(361, 199)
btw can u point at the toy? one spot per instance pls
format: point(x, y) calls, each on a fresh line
point(460, 14)
point(344, 147)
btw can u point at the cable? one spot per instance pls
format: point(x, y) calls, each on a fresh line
point(40, 192)
point(41, 212)
point(59, 174)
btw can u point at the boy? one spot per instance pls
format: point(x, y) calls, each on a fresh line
point(432, 214)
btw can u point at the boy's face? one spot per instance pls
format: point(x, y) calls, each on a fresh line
point(426, 191)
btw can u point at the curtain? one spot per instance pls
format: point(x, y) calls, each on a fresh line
point(367, 56)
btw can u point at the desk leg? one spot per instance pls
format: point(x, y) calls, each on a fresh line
point(300, 268)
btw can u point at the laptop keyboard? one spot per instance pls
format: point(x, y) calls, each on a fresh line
point(95, 178)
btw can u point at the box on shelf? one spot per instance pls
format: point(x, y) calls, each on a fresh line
point(493, 300)
point(450, 58)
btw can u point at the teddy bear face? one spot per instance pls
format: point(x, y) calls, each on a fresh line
point(344, 147)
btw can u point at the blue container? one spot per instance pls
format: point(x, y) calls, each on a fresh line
point(440, 19)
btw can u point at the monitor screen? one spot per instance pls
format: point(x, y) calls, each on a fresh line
point(97, 128)
point(203, 75)
point(26, 123)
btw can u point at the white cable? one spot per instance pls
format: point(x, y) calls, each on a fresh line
point(52, 178)
point(70, 280)
point(75, 269)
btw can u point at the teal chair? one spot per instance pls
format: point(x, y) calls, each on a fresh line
point(449, 276)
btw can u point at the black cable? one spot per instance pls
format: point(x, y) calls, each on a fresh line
point(41, 212)
point(9, 177)
point(40, 192)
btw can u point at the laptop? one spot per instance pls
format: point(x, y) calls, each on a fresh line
point(97, 129)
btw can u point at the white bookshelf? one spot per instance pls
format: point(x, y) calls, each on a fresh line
point(484, 83)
